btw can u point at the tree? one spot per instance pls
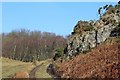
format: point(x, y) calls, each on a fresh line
point(118, 2)
point(58, 53)
point(99, 11)
point(109, 7)
point(23, 45)
point(104, 7)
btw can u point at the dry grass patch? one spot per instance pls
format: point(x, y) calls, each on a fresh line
point(10, 67)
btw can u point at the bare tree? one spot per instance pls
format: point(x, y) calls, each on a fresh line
point(99, 11)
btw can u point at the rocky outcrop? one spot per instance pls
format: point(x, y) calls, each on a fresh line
point(83, 40)
point(88, 35)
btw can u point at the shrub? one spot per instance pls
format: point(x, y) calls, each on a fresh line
point(83, 26)
point(58, 53)
point(88, 28)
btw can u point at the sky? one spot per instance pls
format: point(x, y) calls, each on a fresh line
point(55, 17)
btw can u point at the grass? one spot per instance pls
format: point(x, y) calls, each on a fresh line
point(10, 67)
point(41, 73)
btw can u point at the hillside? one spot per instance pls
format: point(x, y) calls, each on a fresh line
point(102, 62)
point(92, 50)
point(89, 34)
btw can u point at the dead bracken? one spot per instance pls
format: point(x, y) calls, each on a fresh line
point(102, 62)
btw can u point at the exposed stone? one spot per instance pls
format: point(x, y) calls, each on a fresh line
point(90, 39)
point(87, 35)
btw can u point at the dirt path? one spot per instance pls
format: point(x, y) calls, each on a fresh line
point(33, 71)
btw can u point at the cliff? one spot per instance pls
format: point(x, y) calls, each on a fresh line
point(99, 41)
point(89, 34)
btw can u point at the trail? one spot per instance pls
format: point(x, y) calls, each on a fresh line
point(33, 71)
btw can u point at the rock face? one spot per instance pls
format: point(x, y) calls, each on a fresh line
point(101, 62)
point(90, 38)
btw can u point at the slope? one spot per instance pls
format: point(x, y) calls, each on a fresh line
point(13, 68)
point(101, 62)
